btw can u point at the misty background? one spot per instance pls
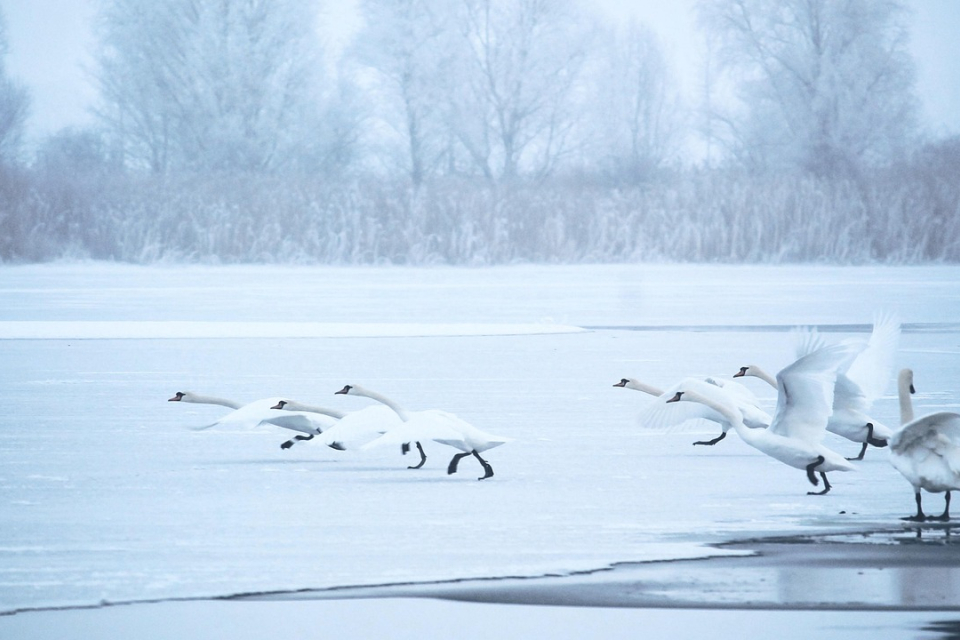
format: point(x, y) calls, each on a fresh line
point(480, 131)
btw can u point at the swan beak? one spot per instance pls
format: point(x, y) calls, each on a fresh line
point(343, 391)
point(279, 405)
point(741, 373)
point(622, 383)
point(677, 397)
point(176, 398)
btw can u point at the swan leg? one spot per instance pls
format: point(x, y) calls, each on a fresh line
point(487, 469)
point(919, 517)
point(337, 446)
point(452, 467)
point(714, 441)
point(826, 486)
point(287, 444)
point(863, 450)
point(423, 457)
point(810, 467)
point(290, 443)
point(877, 442)
point(943, 517)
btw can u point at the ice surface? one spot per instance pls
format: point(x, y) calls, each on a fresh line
point(107, 495)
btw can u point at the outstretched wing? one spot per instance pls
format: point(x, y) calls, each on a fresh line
point(872, 370)
point(805, 391)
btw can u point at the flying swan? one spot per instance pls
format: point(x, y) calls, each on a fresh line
point(661, 414)
point(432, 424)
point(257, 413)
point(804, 400)
point(353, 429)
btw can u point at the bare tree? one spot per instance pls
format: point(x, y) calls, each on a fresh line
point(636, 119)
point(228, 84)
point(823, 85)
point(515, 83)
point(14, 106)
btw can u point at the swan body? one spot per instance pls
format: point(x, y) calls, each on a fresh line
point(432, 424)
point(804, 401)
point(857, 386)
point(353, 429)
point(256, 413)
point(926, 450)
point(661, 414)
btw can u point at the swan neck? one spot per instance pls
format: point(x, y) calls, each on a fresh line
point(644, 387)
point(382, 399)
point(906, 402)
point(763, 375)
point(733, 416)
point(311, 408)
point(196, 399)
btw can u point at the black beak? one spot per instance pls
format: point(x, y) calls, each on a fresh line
point(676, 398)
point(343, 391)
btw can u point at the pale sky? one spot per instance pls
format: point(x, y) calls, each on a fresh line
point(51, 43)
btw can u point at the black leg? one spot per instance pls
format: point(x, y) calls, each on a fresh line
point(337, 446)
point(919, 517)
point(310, 437)
point(826, 486)
point(487, 469)
point(452, 467)
point(287, 444)
point(290, 443)
point(405, 448)
point(943, 517)
point(876, 442)
point(423, 457)
point(810, 467)
point(714, 441)
point(863, 450)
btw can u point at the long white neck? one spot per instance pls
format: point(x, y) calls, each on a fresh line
point(292, 405)
point(382, 399)
point(733, 416)
point(757, 372)
point(643, 386)
point(904, 391)
point(197, 399)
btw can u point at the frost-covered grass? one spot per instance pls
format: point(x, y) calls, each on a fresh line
point(108, 495)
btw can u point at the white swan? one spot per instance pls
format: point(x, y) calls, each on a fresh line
point(660, 414)
point(256, 413)
point(856, 387)
point(804, 400)
point(926, 450)
point(353, 429)
point(433, 424)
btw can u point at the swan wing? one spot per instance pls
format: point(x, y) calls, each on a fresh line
point(661, 415)
point(360, 427)
point(805, 391)
point(420, 429)
point(306, 423)
point(872, 370)
point(938, 432)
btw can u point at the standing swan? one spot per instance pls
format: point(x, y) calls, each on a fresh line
point(435, 425)
point(353, 429)
point(857, 386)
point(926, 451)
point(256, 413)
point(660, 414)
point(804, 399)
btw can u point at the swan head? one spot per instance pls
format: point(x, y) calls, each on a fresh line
point(280, 405)
point(623, 382)
point(346, 390)
point(749, 370)
point(180, 396)
point(678, 396)
point(906, 380)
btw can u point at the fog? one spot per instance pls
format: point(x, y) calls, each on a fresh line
point(479, 132)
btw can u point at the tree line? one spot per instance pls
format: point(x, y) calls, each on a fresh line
point(485, 131)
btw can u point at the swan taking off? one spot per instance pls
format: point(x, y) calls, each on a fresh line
point(433, 424)
point(661, 414)
point(926, 451)
point(353, 429)
point(257, 413)
point(804, 400)
point(857, 386)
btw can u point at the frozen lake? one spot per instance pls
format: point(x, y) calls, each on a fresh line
point(109, 496)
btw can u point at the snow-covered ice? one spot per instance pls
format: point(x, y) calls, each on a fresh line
point(108, 495)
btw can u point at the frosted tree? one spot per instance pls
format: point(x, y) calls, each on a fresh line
point(407, 43)
point(224, 85)
point(512, 106)
point(823, 85)
point(635, 125)
point(14, 106)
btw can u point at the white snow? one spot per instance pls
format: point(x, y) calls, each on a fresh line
point(107, 495)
